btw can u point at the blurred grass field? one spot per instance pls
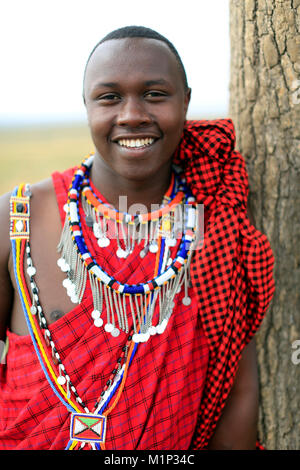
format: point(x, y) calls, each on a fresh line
point(30, 154)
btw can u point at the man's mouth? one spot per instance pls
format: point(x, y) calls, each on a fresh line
point(136, 143)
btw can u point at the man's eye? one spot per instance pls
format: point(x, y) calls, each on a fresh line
point(155, 94)
point(108, 97)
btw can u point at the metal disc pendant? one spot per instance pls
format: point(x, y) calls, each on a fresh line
point(186, 301)
point(144, 251)
point(115, 332)
point(89, 221)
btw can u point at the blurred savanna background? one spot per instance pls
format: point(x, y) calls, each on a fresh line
point(31, 153)
point(44, 48)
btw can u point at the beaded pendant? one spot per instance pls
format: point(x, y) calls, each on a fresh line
point(87, 427)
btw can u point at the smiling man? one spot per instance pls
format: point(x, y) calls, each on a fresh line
point(123, 334)
point(136, 120)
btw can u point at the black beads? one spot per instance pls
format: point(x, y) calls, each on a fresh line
point(20, 207)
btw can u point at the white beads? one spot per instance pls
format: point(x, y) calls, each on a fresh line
point(63, 265)
point(74, 299)
point(152, 330)
point(153, 247)
point(98, 322)
point(96, 230)
point(31, 271)
point(140, 337)
point(95, 314)
point(109, 327)
point(121, 253)
point(103, 242)
point(61, 380)
point(171, 241)
point(67, 283)
point(71, 290)
point(19, 226)
point(162, 326)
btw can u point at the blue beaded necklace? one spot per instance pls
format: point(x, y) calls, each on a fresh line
point(78, 263)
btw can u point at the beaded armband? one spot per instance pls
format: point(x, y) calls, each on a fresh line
point(20, 214)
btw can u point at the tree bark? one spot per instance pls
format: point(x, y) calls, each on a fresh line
point(265, 108)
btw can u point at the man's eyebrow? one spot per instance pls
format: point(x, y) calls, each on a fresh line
point(106, 84)
point(148, 83)
point(159, 81)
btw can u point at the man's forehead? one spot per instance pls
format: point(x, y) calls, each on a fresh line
point(116, 53)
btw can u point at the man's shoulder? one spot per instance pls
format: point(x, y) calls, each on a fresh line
point(43, 203)
point(4, 226)
point(42, 190)
point(43, 196)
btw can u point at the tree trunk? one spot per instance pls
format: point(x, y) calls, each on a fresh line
point(265, 108)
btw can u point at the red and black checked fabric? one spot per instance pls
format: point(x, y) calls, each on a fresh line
point(178, 382)
point(232, 274)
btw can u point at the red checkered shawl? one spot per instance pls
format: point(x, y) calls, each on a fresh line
point(178, 382)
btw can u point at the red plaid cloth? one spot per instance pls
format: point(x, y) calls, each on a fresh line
point(232, 274)
point(178, 382)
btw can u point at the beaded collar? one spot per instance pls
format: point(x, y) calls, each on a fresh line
point(140, 299)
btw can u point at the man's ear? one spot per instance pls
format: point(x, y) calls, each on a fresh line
point(187, 99)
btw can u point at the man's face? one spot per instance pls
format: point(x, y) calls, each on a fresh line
point(136, 105)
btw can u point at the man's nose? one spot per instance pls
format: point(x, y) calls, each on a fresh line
point(133, 113)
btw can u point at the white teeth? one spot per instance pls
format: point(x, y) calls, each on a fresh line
point(136, 143)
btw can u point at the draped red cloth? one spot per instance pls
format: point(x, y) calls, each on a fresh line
point(178, 382)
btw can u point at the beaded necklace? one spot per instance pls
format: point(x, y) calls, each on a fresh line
point(78, 263)
point(98, 212)
point(81, 418)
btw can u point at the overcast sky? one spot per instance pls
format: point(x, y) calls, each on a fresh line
point(45, 44)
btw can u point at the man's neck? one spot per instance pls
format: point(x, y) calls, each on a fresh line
point(123, 193)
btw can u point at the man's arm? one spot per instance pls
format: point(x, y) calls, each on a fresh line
point(6, 288)
point(237, 427)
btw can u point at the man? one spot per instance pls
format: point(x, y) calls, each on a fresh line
point(188, 380)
